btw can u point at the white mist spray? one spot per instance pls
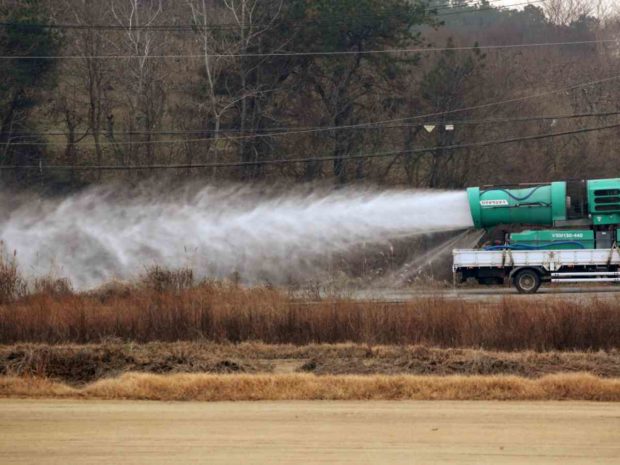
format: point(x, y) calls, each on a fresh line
point(103, 234)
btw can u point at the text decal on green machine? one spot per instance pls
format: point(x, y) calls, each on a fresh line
point(494, 203)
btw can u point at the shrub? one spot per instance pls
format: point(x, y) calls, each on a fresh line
point(52, 286)
point(161, 279)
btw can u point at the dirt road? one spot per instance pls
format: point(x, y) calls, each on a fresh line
point(387, 433)
point(491, 294)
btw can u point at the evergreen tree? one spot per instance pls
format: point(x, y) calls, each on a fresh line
point(22, 80)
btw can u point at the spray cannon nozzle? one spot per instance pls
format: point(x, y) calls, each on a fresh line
point(546, 204)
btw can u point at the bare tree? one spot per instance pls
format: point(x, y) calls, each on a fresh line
point(235, 48)
point(249, 16)
point(68, 111)
point(93, 72)
point(204, 17)
point(143, 76)
point(566, 11)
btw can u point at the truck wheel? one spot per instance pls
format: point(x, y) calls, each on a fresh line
point(527, 281)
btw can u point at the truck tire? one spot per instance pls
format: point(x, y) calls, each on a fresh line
point(527, 281)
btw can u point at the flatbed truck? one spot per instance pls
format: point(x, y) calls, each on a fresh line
point(559, 232)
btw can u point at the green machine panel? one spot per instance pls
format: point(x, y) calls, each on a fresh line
point(604, 201)
point(554, 239)
point(542, 204)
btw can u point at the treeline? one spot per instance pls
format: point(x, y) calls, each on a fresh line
point(294, 90)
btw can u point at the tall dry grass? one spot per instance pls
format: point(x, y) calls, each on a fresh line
point(12, 284)
point(229, 313)
point(201, 387)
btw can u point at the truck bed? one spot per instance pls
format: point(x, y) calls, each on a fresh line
point(551, 260)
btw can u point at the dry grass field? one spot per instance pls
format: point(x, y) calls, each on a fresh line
point(166, 337)
point(223, 312)
point(207, 387)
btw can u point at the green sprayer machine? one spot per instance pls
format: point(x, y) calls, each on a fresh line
point(564, 232)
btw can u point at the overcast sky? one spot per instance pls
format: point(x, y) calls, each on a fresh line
point(538, 3)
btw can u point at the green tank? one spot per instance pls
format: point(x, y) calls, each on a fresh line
point(542, 204)
point(594, 203)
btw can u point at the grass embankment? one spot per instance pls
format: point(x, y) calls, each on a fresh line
point(227, 313)
point(80, 364)
point(188, 339)
point(205, 387)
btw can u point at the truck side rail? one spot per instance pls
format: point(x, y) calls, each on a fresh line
point(550, 260)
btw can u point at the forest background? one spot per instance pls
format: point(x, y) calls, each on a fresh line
point(425, 94)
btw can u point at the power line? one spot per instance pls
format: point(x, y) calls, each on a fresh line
point(305, 54)
point(311, 159)
point(492, 7)
point(449, 11)
point(467, 122)
point(373, 123)
point(120, 27)
point(482, 106)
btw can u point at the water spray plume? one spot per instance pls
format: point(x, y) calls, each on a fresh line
point(103, 234)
